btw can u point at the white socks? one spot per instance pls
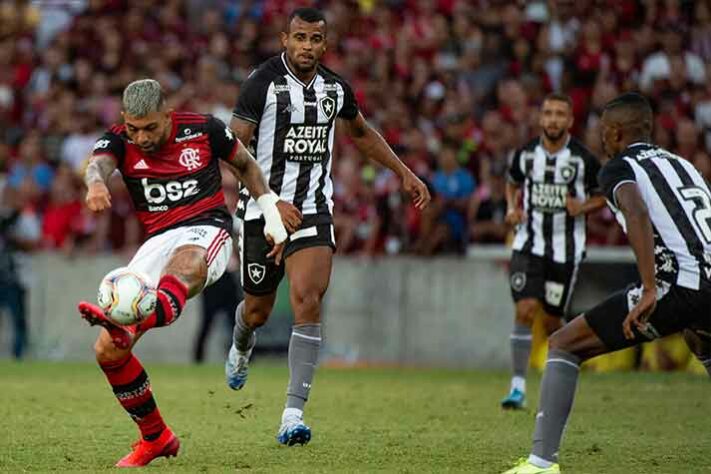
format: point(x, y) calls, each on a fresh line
point(290, 413)
point(518, 383)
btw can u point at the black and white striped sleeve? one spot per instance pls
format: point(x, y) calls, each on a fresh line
point(252, 97)
point(615, 173)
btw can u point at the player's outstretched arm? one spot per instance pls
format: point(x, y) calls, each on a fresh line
point(374, 147)
point(641, 238)
point(96, 176)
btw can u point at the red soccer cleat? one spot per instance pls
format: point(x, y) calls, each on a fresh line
point(122, 336)
point(166, 445)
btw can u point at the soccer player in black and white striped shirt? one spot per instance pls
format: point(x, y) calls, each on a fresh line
point(558, 179)
point(664, 205)
point(287, 110)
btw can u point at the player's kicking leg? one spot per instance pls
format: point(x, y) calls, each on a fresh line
point(184, 275)
point(188, 270)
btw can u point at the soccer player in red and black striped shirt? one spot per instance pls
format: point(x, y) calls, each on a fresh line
point(170, 164)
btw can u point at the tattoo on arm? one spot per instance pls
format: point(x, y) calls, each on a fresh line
point(99, 169)
point(247, 170)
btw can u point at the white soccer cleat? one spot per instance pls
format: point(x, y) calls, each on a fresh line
point(237, 367)
point(293, 431)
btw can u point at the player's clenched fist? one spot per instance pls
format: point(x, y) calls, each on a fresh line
point(98, 197)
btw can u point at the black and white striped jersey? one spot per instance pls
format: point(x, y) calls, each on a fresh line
point(293, 140)
point(546, 180)
point(679, 205)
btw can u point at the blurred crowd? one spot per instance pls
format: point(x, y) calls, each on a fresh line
point(453, 85)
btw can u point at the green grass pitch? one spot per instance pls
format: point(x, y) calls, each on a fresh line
point(63, 417)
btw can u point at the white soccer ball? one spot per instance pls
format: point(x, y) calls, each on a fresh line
point(126, 297)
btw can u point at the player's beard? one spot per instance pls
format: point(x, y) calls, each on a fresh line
point(158, 144)
point(305, 69)
point(554, 137)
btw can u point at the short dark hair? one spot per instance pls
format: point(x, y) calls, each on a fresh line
point(308, 14)
point(560, 97)
point(632, 111)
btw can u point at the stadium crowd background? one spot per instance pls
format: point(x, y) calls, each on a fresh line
point(453, 85)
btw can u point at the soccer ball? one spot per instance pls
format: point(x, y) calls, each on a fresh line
point(126, 296)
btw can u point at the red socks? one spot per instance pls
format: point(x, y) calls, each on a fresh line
point(132, 388)
point(172, 294)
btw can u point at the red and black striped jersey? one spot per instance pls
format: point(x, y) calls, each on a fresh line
point(179, 184)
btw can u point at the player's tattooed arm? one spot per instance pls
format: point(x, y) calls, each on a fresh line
point(374, 147)
point(96, 176)
point(99, 169)
point(641, 238)
point(247, 170)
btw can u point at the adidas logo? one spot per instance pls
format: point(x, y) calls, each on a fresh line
point(141, 165)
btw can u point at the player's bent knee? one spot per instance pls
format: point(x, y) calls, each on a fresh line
point(559, 340)
point(189, 264)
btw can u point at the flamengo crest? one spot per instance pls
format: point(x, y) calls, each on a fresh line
point(190, 159)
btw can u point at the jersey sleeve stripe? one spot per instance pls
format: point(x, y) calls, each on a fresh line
point(230, 156)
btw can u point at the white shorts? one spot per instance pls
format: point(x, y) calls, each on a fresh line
point(153, 255)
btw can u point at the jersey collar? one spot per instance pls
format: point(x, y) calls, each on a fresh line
point(632, 146)
point(293, 76)
point(552, 155)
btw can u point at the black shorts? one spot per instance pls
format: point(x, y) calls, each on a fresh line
point(260, 275)
point(541, 278)
point(677, 309)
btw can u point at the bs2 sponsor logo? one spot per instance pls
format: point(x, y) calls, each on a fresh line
point(172, 191)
